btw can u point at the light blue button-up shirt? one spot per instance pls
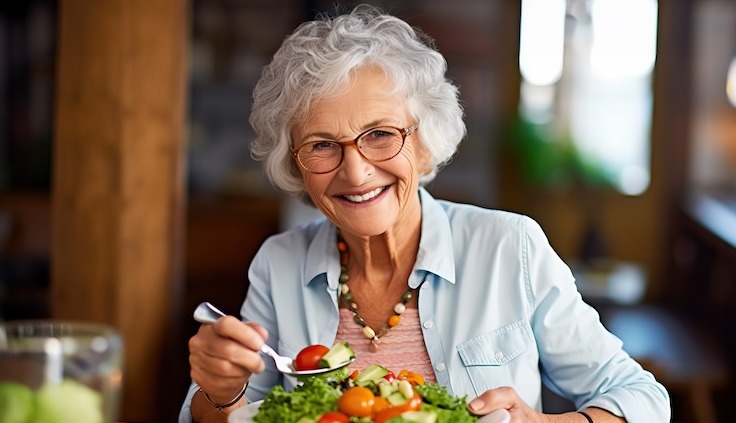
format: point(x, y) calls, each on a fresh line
point(497, 307)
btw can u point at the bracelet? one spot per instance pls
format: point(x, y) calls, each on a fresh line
point(219, 407)
point(587, 417)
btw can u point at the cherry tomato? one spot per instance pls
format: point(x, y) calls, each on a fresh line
point(390, 376)
point(309, 357)
point(333, 417)
point(413, 404)
point(357, 402)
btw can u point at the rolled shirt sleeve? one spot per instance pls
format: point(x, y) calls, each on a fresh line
point(580, 359)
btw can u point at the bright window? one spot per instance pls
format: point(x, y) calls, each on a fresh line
point(595, 89)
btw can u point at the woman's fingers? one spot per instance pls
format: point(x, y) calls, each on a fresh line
point(259, 329)
point(503, 398)
point(250, 335)
point(226, 364)
point(491, 400)
point(228, 344)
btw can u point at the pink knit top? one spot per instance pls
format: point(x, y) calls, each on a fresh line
point(401, 348)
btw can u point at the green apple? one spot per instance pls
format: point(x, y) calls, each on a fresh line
point(16, 403)
point(66, 402)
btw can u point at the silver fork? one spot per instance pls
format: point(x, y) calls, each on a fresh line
point(207, 313)
point(283, 364)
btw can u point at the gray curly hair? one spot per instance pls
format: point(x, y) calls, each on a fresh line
point(317, 61)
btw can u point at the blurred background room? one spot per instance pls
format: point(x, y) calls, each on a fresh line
point(128, 196)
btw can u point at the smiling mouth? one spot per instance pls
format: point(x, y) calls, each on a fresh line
point(365, 197)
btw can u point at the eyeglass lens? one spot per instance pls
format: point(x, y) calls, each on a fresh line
point(375, 144)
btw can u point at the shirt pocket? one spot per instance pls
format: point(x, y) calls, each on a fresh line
point(496, 358)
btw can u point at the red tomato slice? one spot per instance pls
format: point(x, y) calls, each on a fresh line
point(309, 357)
point(333, 417)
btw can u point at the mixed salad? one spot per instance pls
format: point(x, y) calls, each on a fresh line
point(373, 395)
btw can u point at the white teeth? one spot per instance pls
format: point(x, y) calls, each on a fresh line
point(365, 197)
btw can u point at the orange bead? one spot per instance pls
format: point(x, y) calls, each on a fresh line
point(394, 320)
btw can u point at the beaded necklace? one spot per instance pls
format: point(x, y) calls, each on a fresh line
point(344, 293)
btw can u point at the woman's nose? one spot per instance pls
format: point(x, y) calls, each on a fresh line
point(354, 167)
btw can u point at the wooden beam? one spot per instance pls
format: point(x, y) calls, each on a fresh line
point(118, 195)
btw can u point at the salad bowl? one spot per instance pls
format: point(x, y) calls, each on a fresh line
point(246, 414)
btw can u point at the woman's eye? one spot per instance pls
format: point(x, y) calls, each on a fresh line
point(380, 133)
point(323, 145)
point(381, 137)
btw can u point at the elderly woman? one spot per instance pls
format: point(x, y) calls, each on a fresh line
point(355, 115)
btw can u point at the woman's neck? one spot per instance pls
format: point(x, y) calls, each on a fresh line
point(384, 258)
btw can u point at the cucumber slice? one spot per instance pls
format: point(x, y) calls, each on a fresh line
point(338, 354)
point(386, 389)
point(419, 416)
point(371, 374)
point(397, 398)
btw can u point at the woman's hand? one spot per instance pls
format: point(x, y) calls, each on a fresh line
point(508, 398)
point(223, 356)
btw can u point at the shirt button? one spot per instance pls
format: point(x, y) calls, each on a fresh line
point(425, 286)
point(428, 324)
point(499, 355)
point(441, 367)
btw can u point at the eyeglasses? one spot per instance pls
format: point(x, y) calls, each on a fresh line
point(376, 144)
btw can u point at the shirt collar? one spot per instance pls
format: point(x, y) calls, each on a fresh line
point(323, 259)
point(435, 253)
